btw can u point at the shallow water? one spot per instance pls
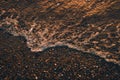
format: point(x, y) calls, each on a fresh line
point(91, 29)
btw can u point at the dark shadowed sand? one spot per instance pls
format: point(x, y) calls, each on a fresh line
point(33, 32)
point(17, 62)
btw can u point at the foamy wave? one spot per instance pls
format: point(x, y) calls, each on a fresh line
point(41, 35)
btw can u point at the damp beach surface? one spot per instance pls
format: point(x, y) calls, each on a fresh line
point(52, 39)
point(17, 62)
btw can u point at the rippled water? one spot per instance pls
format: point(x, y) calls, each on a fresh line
point(92, 38)
point(87, 30)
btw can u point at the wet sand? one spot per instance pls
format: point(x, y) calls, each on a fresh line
point(17, 62)
point(59, 39)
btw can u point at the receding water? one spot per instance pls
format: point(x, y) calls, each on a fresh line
point(42, 35)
